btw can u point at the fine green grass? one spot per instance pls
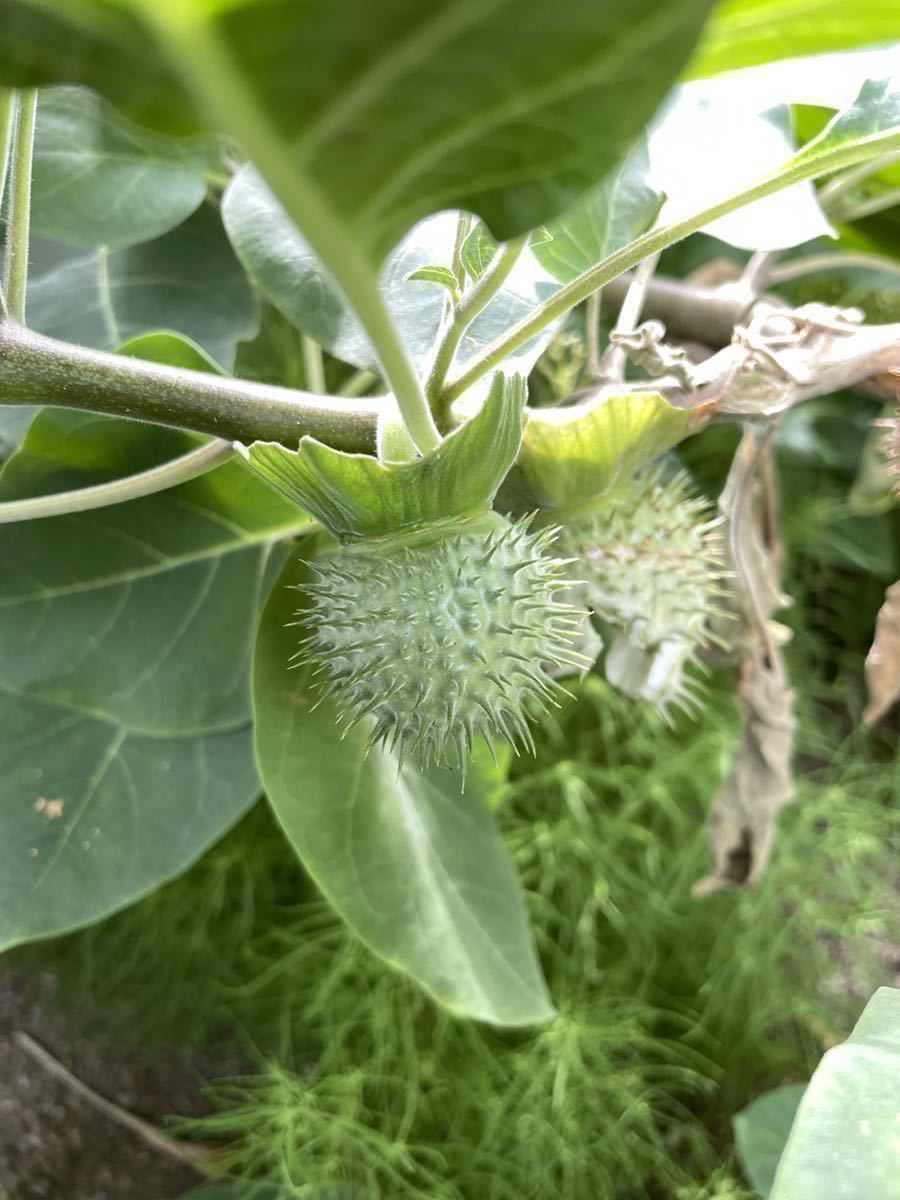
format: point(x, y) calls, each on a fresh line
point(673, 1011)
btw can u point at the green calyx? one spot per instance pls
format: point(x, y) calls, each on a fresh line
point(442, 635)
point(651, 556)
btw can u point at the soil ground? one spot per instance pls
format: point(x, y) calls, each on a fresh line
point(56, 1145)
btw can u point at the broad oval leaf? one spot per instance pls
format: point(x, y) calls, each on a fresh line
point(844, 1144)
point(125, 637)
point(100, 180)
point(188, 281)
point(417, 870)
point(94, 815)
point(141, 612)
point(506, 109)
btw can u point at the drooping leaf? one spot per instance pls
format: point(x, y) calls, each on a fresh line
point(357, 496)
point(291, 276)
point(883, 660)
point(607, 218)
point(508, 110)
point(843, 1143)
point(761, 1131)
point(100, 180)
point(744, 32)
point(576, 453)
point(759, 784)
point(414, 867)
point(187, 281)
point(125, 637)
point(746, 138)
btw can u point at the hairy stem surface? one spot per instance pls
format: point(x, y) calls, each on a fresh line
point(18, 231)
point(39, 370)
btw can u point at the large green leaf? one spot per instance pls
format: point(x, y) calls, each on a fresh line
point(509, 108)
point(604, 220)
point(416, 869)
point(188, 281)
point(291, 276)
point(844, 1143)
point(125, 638)
point(742, 33)
point(94, 814)
point(100, 180)
point(761, 1131)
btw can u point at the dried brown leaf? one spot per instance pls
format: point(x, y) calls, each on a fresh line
point(744, 812)
point(883, 660)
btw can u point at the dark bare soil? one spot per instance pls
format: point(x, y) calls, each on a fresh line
point(54, 1143)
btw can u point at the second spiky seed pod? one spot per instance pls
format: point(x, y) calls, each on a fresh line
point(651, 556)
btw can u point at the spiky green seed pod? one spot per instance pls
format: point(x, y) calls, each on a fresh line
point(442, 634)
point(651, 556)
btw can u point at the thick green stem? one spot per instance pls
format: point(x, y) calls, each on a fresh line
point(635, 252)
point(210, 73)
point(39, 370)
point(18, 230)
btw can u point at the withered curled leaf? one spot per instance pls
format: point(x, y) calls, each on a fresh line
point(742, 821)
point(883, 660)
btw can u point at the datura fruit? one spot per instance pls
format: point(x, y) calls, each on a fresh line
point(651, 557)
point(437, 635)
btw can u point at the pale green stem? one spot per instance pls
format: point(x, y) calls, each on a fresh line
point(635, 252)
point(210, 73)
point(358, 383)
point(867, 207)
point(837, 188)
point(797, 268)
point(313, 365)
point(179, 470)
point(18, 230)
point(473, 302)
point(592, 335)
point(7, 125)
